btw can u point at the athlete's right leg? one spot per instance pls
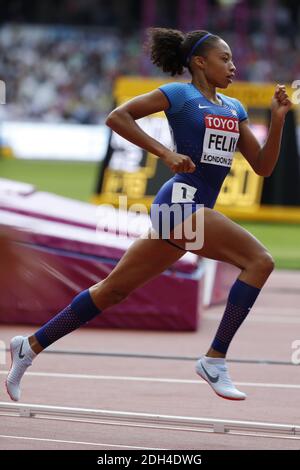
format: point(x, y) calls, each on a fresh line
point(226, 241)
point(146, 258)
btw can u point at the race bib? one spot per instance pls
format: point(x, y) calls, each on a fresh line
point(220, 139)
point(182, 192)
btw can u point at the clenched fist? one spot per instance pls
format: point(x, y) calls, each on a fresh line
point(281, 103)
point(179, 163)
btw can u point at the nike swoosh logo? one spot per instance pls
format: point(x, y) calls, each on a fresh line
point(21, 356)
point(210, 377)
point(201, 107)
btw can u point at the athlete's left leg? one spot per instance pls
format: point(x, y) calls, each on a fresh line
point(146, 258)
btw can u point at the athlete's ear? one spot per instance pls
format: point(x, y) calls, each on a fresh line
point(200, 61)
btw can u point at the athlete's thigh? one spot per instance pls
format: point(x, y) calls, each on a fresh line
point(145, 258)
point(225, 240)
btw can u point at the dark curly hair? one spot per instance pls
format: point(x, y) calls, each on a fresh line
point(170, 48)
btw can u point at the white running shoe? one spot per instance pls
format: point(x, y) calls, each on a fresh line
point(214, 371)
point(21, 358)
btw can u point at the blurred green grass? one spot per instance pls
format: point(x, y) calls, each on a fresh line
point(77, 180)
point(282, 240)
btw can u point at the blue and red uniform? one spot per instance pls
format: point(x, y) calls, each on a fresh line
point(208, 133)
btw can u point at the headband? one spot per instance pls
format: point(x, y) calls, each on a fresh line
point(195, 47)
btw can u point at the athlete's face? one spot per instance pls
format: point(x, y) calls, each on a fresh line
point(218, 66)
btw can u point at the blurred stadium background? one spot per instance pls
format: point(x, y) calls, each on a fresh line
point(61, 60)
point(65, 64)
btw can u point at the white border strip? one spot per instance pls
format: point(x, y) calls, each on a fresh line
point(217, 425)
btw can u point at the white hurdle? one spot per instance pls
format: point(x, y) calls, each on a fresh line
point(126, 418)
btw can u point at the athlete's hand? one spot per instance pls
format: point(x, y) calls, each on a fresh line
point(281, 103)
point(179, 163)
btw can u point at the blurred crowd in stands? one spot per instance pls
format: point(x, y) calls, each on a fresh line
point(59, 66)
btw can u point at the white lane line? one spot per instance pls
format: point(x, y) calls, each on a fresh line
point(149, 379)
point(98, 444)
point(260, 318)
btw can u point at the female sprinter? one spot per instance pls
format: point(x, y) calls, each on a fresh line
point(206, 127)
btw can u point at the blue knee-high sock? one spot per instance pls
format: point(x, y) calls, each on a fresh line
point(81, 310)
point(240, 300)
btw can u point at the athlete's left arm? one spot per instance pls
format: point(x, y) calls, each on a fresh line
point(263, 159)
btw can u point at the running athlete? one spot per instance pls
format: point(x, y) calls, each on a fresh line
point(207, 127)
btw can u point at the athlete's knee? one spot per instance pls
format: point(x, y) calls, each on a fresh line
point(117, 294)
point(263, 262)
point(112, 291)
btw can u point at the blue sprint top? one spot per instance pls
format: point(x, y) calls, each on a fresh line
point(206, 132)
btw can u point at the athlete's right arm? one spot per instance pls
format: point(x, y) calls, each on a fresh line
point(122, 120)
